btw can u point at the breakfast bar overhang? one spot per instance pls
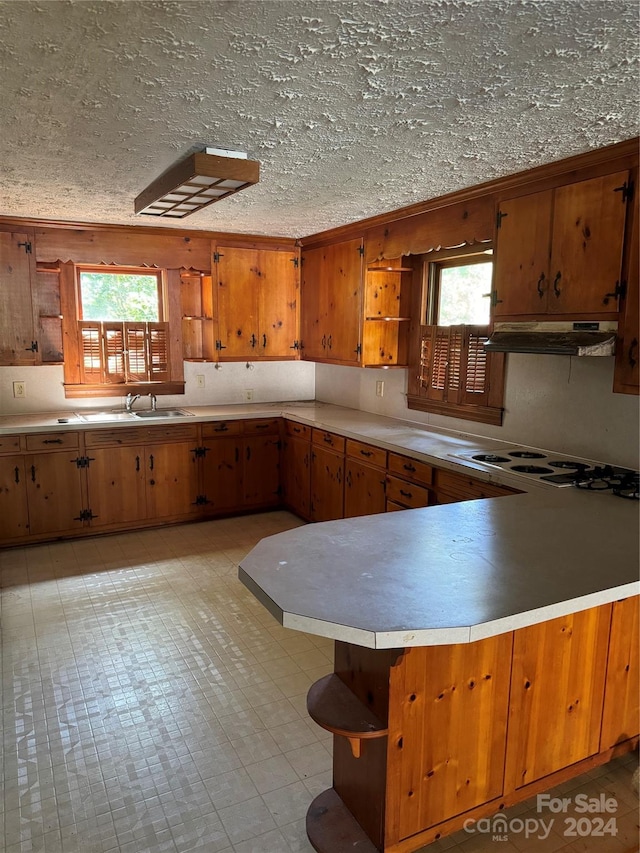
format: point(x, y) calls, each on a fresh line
point(485, 651)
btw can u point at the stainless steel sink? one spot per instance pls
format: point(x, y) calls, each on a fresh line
point(163, 413)
point(105, 417)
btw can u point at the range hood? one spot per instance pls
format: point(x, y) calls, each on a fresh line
point(554, 338)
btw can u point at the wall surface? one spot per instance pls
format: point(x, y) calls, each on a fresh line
point(269, 380)
point(553, 402)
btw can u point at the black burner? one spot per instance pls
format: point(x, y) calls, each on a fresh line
point(490, 457)
point(566, 463)
point(531, 469)
point(629, 487)
point(526, 454)
point(622, 481)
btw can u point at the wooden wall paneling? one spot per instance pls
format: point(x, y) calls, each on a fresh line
point(557, 694)
point(620, 719)
point(462, 693)
point(173, 317)
point(123, 247)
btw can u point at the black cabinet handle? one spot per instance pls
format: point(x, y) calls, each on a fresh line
point(264, 340)
point(52, 441)
point(237, 454)
point(324, 342)
point(221, 428)
point(328, 440)
point(248, 453)
point(330, 341)
point(556, 289)
point(137, 463)
point(540, 287)
point(262, 426)
point(253, 340)
point(406, 494)
point(151, 462)
point(633, 351)
point(409, 467)
point(17, 470)
point(347, 479)
point(33, 473)
point(366, 453)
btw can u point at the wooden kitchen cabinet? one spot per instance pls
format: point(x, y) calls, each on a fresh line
point(18, 340)
point(257, 297)
point(54, 492)
point(408, 483)
point(14, 513)
point(331, 294)
point(364, 481)
point(199, 322)
point(621, 716)
point(296, 469)
point(626, 378)
point(261, 471)
point(557, 692)
point(452, 487)
point(327, 476)
point(141, 473)
point(559, 252)
point(386, 313)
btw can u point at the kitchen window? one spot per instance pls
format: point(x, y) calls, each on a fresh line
point(118, 331)
point(453, 374)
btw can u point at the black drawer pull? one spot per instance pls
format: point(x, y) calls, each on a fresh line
point(52, 441)
point(151, 462)
point(221, 428)
point(262, 426)
point(137, 463)
point(33, 473)
point(409, 467)
point(366, 453)
point(328, 440)
point(17, 470)
point(406, 494)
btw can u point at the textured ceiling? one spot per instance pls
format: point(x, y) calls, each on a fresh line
point(352, 108)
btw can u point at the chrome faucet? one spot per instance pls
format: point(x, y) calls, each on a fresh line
point(154, 402)
point(129, 401)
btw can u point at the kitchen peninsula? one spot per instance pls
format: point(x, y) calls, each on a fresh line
point(485, 651)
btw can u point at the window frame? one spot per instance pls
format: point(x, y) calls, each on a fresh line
point(445, 392)
point(171, 378)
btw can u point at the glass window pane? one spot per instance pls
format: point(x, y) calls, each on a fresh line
point(119, 296)
point(464, 295)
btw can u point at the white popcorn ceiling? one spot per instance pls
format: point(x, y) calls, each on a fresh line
point(352, 108)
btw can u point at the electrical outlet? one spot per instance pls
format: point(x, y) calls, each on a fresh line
point(200, 380)
point(379, 388)
point(248, 395)
point(19, 389)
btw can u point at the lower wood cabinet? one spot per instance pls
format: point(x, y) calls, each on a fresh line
point(14, 513)
point(451, 487)
point(327, 476)
point(296, 469)
point(222, 471)
point(261, 471)
point(54, 492)
point(364, 481)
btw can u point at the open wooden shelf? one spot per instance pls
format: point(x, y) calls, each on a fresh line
point(331, 828)
point(333, 706)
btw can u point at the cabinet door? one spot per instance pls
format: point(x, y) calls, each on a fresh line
point(521, 266)
point(364, 489)
point(627, 370)
point(586, 246)
point(621, 718)
point(14, 517)
point(314, 304)
point(345, 301)
point(116, 483)
point(238, 282)
point(296, 475)
point(171, 480)
point(16, 306)
point(261, 471)
point(222, 473)
point(54, 492)
point(278, 304)
point(557, 689)
point(327, 486)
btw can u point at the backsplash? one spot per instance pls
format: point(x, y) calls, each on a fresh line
point(269, 382)
point(555, 402)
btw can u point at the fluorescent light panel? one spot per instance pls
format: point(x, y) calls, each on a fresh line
point(197, 182)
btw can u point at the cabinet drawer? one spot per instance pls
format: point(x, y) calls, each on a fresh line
point(210, 430)
point(392, 506)
point(452, 486)
point(406, 494)
point(328, 439)
point(262, 426)
point(139, 435)
point(410, 469)
point(9, 443)
point(367, 453)
point(52, 441)
point(299, 430)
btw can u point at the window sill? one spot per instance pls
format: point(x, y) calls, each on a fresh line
point(75, 391)
point(479, 414)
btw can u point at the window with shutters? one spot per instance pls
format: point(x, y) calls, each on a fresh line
point(454, 375)
point(118, 334)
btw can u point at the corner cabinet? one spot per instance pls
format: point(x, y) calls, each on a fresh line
point(386, 313)
point(559, 252)
point(257, 298)
point(331, 295)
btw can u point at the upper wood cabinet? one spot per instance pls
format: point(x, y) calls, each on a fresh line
point(18, 343)
point(331, 302)
point(257, 297)
point(387, 313)
point(559, 252)
point(626, 378)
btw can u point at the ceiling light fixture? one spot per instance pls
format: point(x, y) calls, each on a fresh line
point(197, 182)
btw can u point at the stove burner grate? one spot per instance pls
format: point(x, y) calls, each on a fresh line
point(531, 469)
point(490, 457)
point(526, 454)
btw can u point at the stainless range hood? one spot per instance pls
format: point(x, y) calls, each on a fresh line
point(554, 338)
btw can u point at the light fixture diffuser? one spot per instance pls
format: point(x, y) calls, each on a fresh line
point(197, 182)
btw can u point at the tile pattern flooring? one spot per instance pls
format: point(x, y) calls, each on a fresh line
point(151, 705)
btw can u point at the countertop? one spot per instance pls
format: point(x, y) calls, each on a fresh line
point(444, 574)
